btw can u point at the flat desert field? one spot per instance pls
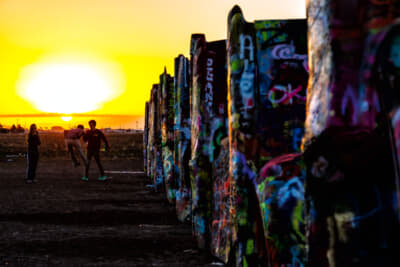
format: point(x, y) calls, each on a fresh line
point(63, 221)
point(123, 145)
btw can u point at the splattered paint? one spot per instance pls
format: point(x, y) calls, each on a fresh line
point(268, 74)
point(242, 93)
point(158, 180)
point(182, 135)
point(350, 213)
point(283, 74)
point(199, 163)
point(146, 137)
point(167, 133)
point(154, 147)
point(175, 129)
point(280, 190)
point(254, 213)
point(222, 223)
point(216, 88)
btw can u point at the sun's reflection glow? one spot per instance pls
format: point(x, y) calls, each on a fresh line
point(66, 118)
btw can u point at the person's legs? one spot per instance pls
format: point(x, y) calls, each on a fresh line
point(34, 166)
point(97, 158)
point(33, 159)
point(28, 167)
point(89, 158)
point(78, 147)
point(70, 145)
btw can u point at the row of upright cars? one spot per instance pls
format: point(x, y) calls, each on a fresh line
point(280, 144)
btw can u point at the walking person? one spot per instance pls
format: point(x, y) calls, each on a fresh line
point(33, 154)
point(94, 137)
point(72, 141)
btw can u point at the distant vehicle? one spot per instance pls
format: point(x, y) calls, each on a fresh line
point(4, 130)
point(17, 129)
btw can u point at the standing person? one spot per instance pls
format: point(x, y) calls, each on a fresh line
point(72, 140)
point(93, 137)
point(33, 154)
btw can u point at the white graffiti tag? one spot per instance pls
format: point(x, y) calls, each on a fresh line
point(248, 77)
point(288, 51)
point(209, 86)
point(246, 43)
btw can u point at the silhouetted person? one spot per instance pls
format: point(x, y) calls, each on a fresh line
point(72, 141)
point(94, 137)
point(33, 154)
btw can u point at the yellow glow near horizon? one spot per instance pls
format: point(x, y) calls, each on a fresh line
point(67, 88)
point(141, 37)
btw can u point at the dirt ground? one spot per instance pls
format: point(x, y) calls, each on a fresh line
point(63, 221)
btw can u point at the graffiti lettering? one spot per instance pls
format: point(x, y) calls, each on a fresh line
point(287, 94)
point(246, 43)
point(288, 51)
point(247, 79)
point(210, 74)
point(168, 161)
point(209, 86)
point(247, 85)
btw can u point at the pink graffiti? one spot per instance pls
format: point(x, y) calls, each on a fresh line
point(288, 94)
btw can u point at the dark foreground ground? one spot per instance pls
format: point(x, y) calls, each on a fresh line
point(63, 221)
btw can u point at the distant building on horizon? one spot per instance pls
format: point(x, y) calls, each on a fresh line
point(57, 129)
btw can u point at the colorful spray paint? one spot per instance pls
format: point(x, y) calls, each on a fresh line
point(352, 219)
point(282, 64)
point(268, 73)
point(146, 137)
point(150, 147)
point(167, 133)
point(200, 164)
point(222, 220)
point(176, 127)
point(242, 110)
point(280, 190)
point(385, 72)
point(182, 139)
point(154, 148)
point(217, 146)
point(231, 210)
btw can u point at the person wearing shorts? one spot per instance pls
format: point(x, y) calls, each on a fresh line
point(72, 141)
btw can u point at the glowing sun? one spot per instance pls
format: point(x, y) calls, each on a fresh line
point(68, 88)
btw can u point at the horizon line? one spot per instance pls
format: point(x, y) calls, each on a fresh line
point(67, 115)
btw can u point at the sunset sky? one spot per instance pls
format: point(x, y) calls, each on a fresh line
point(48, 47)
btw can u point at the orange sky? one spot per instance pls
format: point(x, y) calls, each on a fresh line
point(127, 41)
